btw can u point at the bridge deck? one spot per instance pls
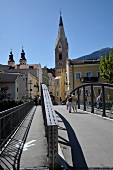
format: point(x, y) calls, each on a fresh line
point(34, 155)
point(86, 139)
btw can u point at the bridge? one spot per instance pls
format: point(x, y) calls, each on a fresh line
point(49, 137)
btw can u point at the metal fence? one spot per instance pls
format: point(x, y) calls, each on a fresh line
point(51, 128)
point(87, 98)
point(10, 123)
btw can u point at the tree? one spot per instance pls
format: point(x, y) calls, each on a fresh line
point(3, 93)
point(106, 68)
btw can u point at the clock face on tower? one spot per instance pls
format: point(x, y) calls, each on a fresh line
point(60, 64)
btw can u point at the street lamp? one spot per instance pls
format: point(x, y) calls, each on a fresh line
point(30, 82)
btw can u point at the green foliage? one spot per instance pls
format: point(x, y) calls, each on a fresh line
point(3, 93)
point(7, 104)
point(109, 97)
point(106, 67)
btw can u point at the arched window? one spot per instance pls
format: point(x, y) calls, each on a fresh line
point(60, 56)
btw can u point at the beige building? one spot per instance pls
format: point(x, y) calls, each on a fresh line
point(34, 69)
point(51, 81)
point(18, 86)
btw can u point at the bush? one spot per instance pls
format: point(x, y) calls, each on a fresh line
point(7, 104)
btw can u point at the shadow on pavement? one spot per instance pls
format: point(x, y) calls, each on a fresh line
point(61, 128)
point(78, 113)
point(76, 151)
point(64, 141)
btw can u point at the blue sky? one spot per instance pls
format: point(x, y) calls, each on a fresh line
point(33, 24)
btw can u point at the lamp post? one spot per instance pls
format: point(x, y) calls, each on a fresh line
point(30, 82)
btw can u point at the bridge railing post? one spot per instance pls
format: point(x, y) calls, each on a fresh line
point(103, 101)
point(92, 99)
point(84, 98)
point(78, 100)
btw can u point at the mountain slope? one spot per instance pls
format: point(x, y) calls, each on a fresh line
point(96, 55)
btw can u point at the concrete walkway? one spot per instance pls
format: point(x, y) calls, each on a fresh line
point(34, 155)
point(86, 139)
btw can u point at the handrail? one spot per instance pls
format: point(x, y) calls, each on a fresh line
point(11, 121)
point(51, 128)
point(91, 86)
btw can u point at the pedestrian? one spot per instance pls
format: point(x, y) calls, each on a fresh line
point(70, 103)
point(35, 101)
point(86, 99)
point(39, 100)
point(111, 108)
point(74, 102)
point(98, 101)
point(60, 101)
point(67, 101)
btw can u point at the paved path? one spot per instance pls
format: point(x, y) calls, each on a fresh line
point(34, 155)
point(86, 139)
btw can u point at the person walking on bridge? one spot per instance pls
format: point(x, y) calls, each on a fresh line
point(60, 102)
point(67, 101)
point(70, 103)
point(74, 104)
point(98, 101)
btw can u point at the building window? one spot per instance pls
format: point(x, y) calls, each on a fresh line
point(31, 67)
point(60, 56)
point(57, 83)
point(59, 46)
point(17, 89)
point(60, 64)
point(77, 76)
point(57, 93)
point(89, 74)
point(98, 74)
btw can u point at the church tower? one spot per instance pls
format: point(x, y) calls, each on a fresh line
point(11, 61)
point(23, 60)
point(61, 50)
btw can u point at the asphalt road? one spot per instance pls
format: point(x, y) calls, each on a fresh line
point(86, 139)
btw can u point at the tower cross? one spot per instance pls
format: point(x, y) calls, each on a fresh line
point(60, 12)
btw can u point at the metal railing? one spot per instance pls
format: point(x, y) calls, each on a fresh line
point(105, 106)
point(51, 128)
point(10, 144)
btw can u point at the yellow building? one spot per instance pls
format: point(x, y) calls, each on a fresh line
point(79, 72)
point(60, 87)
